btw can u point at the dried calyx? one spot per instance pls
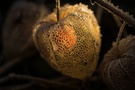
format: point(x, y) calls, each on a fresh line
point(70, 45)
point(117, 68)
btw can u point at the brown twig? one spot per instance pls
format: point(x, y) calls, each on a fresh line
point(22, 87)
point(119, 36)
point(61, 79)
point(99, 14)
point(116, 11)
point(38, 81)
point(21, 57)
point(27, 86)
point(58, 9)
point(68, 81)
point(9, 65)
point(119, 23)
point(117, 20)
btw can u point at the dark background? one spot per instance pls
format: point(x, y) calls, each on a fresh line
point(109, 30)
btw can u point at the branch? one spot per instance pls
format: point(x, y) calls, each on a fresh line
point(6, 67)
point(116, 11)
point(27, 51)
point(58, 9)
point(119, 37)
point(39, 81)
point(26, 86)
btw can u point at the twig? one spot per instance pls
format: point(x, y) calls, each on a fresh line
point(117, 20)
point(99, 14)
point(26, 86)
point(119, 23)
point(119, 36)
point(23, 87)
point(61, 79)
point(9, 65)
point(12, 63)
point(58, 9)
point(27, 51)
point(116, 11)
point(39, 81)
point(68, 81)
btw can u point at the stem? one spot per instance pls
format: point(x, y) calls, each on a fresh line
point(23, 87)
point(119, 35)
point(116, 11)
point(39, 81)
point(58, 9)
point(99, 14)
point(27, 51)
point(5, 68)
point(119, 23)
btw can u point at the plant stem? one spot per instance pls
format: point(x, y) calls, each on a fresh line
point(39, 81)
point(116, 11)
point(58, 9)
point(119, 36)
